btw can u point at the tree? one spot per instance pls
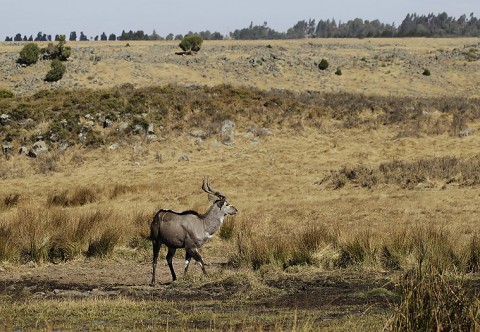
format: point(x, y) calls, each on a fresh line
point(103, 36)
point(56, 72)
point(169, 36)
point(73, 36)
point(18, 37)
point(191, 43)
point(112, 37)
point(59, 51)
point(154, 36)
point(83, 37)
point(41, 37)
point(29, 54)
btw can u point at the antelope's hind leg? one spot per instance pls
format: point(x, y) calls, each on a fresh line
point(188, 257)
point(170, 254)
point(196, 255)
point(156, 248)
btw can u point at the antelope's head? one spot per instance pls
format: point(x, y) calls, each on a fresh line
point(218, 199)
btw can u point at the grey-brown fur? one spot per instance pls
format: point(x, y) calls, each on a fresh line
point(188, 229)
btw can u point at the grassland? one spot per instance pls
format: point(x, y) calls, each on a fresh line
point(356, 187)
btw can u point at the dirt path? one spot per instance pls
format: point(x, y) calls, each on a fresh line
point(130, 278)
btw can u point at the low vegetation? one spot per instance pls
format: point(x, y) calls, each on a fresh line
point(423, 173)
point(80, 115)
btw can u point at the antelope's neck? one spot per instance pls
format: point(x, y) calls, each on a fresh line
point(213, 220)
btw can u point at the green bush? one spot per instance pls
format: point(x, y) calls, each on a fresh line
point(338, 72)
point(323, 64)
point(426, 72)
point(29, 54)
point(191, 43)
point(56, 72)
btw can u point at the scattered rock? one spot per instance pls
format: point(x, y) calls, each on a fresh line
point(465, 132)
point(107, 123)
point(150, 129)
point(23, 150)
point(216, 144)
point(114, 146)
point(227, 132)
point(198, 133)
point(123, 126)
point(6, 148)
point(137, 148)
point(184, 157)
point(4, 118)
point(38, 148)
point(152, 137)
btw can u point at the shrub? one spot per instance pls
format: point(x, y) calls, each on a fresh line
point(7, 247)
point(104, 245)
point(56, 72)
point(191, 43)
point(408, 175)
point(29, 54)
point(338, 72)
point(80, 196)
point(323, 64)
point(11, 200)
point(227, 230)
point(4, 93)
point(426, 72)
point(473, 255)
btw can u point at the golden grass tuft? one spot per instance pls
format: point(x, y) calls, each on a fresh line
point(433, 301)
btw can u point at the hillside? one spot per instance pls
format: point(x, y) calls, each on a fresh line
point(369, 66)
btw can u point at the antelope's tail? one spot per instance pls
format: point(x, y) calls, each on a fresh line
point(155, 227)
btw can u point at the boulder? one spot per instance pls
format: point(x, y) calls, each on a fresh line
point(40, 146)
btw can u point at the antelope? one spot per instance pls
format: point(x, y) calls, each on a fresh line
point(188, 229)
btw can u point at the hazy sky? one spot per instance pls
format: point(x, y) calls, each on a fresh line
point(112, 16)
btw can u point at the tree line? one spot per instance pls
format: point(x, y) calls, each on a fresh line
point(440, 25)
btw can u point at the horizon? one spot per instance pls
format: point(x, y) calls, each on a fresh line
point(92, 18)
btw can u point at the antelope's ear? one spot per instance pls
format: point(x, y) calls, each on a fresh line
point(212, 198)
